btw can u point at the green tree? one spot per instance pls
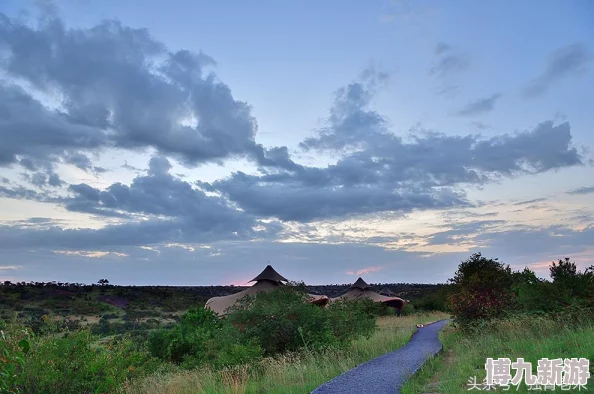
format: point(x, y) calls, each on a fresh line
point(482, 289)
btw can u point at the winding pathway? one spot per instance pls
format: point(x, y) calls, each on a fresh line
point(386, 374)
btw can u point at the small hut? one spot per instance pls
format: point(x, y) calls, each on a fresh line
point(360, 290)
point(267, 280)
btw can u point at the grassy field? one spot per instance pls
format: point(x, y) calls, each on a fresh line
point(295, 373)
point(464, 354)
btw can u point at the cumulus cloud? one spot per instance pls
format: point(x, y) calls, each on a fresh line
point(22, 193)
point(570, 60)
point(157, 207)
point(379, 171)
point(118, 87)
point(480, 106)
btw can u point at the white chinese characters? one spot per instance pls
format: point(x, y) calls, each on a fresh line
point(568, 374)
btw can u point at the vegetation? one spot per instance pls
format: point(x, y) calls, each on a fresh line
point(56, 360)
point(486, 289)
point(503, 313)
point(110, 339)
point(263, 336)
point(290, 373)
point(112, 310)
point(531, 338)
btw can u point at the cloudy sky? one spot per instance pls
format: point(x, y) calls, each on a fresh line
point(191, 143)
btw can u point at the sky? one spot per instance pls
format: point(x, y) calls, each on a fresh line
point(193, 142)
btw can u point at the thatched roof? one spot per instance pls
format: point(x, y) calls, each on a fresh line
point(386, 291)
point(269, 274)
point(360, 284)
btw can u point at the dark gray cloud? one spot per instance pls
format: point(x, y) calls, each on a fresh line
point(29, 129)
point(300, 200)
point(42, 180)
point(83, 162)
point(480, 106)
point(159, 194)
point(123, 89)
point(152, 231)
point(120, 88)
point(564, 62)
point(582, 190)
point(157, 207)
point(175, 212)
point(380, 172)
point(22, 193)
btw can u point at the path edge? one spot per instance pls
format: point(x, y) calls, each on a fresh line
point(410, 339)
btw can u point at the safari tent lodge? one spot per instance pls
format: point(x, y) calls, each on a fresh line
point(267, 280)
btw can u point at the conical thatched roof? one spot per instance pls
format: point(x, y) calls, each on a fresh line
point(386, 291)
point(360, 284)
point(269, 274)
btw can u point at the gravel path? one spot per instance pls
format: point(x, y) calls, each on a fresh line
point(387, 373)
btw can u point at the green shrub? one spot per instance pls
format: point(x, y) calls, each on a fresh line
point(56, 361)
point(187, 339)
point(351, 319)
point(407, 309)
point(265, 324)
point(482, 289)
point(282, 320)
point(486, 289)
point(201, 337)
point(14, 346)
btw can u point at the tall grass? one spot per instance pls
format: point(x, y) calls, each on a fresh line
point(291, 373)
point(531, 338)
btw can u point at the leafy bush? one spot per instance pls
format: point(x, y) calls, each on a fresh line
point(68, 362)
point(282, 320)
point(486, 289)
point(13, 348)
point(482, 289)
point(267, 323)
point(201, 337)
point(571, 286)
point(407, 309)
